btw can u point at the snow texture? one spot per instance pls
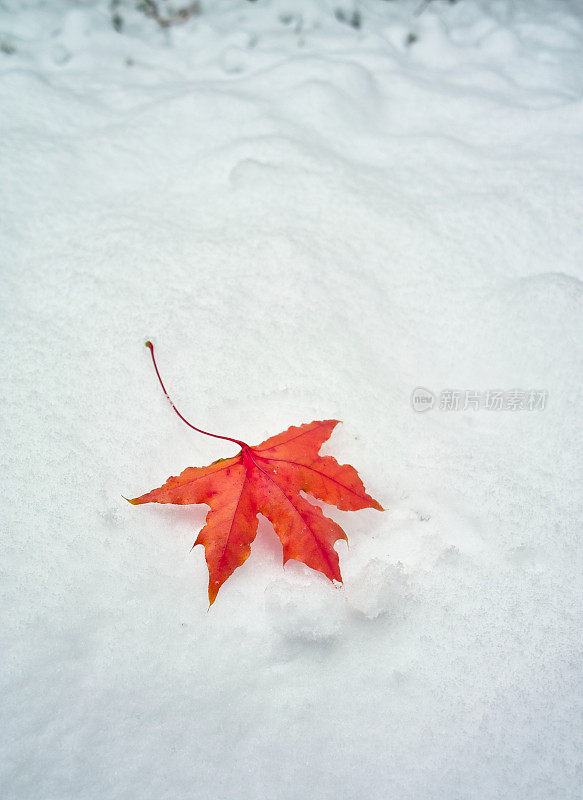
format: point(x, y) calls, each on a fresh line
point(312, 208)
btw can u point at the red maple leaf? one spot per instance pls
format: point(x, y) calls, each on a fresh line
point(267, 479)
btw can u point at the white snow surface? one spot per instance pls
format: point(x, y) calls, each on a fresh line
point(309, 219)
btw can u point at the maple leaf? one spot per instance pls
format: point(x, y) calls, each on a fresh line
point(267, 479)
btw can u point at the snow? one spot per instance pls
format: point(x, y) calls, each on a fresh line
point(309, 219)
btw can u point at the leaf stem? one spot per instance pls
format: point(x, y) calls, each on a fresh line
point(190, 425)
